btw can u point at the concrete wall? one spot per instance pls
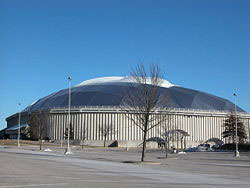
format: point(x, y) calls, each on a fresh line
point(201, 125)
point(88, 124)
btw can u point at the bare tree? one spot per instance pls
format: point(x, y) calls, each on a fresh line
point(83, 137)
point(71, 132)
point(38, 123)
point(106, 130)
point(164, 129)
point(142, 99)
point(176, 135)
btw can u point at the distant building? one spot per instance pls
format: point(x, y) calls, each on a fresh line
point(96, 103)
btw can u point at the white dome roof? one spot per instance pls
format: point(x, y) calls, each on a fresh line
point(102, 80)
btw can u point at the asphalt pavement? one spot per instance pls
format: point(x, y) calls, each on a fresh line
point(114, 168)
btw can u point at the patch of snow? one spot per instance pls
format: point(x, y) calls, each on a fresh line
point(47, 150)
point(182, 152)
point(127, 79)
point(100, 80)
point(33, 102)
point(69, 153)
point(27, 108)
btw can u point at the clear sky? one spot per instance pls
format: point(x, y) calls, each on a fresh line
point(199, 44)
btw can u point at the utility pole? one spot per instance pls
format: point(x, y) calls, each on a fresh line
point(237, 154)
point(68, 149)
point(19, 125)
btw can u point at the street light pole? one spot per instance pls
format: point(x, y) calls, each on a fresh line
point(68, 149)
point(19, 125)
point(237, 154)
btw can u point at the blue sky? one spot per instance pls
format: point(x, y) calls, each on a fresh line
point(199, 44)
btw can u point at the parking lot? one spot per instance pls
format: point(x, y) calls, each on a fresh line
point(114, 167)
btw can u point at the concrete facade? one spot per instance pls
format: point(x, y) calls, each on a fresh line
point(88, 122)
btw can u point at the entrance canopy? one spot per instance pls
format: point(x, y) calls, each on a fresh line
point(184, 133)
point(14, 129)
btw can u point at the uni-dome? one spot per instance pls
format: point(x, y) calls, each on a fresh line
point(110, 91)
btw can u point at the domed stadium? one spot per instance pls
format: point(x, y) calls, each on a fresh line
point(110, 91)
point(98, 102)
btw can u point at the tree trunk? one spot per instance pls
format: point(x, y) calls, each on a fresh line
point(82, 143)
point(144, 145)
point(40, 137)
point(185, 145)
point(168, 143)
point(105, 141)
point(40, 144)
point(182, 143)
point(166, 148)
point(177, 149)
